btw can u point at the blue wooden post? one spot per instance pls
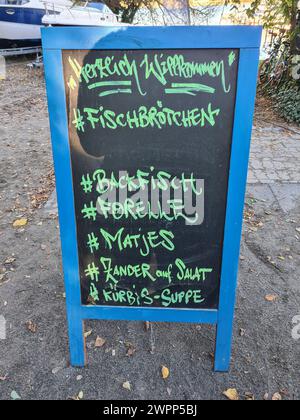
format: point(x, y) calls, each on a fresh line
point(65, 198)
point(248, 67)
point(247, 40)
point(76, 340)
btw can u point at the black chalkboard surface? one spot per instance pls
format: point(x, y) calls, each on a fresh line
point(150, 136)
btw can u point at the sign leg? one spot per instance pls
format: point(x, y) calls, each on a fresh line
point(77, 342)
point(223, 346)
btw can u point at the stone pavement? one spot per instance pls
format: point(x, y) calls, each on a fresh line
point(274, 168)
point(275, 155)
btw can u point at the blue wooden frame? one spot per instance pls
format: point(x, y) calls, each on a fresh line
point(247, 40)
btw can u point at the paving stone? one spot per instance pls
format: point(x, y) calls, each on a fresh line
point(275, 156)
point(288, 196)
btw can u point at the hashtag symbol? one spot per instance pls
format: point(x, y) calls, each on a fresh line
point(72, 83)
point(231, 58)
point(93, 242)
point(78, 120)
point(94, 293)
point(93, 272)
point(87, 184)
point(89, 212)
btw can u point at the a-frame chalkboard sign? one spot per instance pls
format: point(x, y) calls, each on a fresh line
point(151, 130)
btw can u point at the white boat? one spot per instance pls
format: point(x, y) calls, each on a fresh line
point(100, 15)
point(21, 21)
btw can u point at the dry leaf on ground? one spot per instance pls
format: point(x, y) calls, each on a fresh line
point(31, 327)
point(271, 298)
point(88, 334)
point(165, 372)
point(130, 349)
point(126, 385)
point(78, 397)
point(242, 332)
point(249, 396)
point(100, 342)
point(20, 223)
point(9, 260)
point(277, 397)
point(15, 396)
point(231, 394)
point(2, 276)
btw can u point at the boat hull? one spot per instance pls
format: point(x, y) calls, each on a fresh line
point(19, 43)
point(20, 27)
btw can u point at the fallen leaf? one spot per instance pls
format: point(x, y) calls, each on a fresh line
point(277, 397)
point(130, 349)
point(249, 396)
point(253, 229)
point(284, 392)
point(57, 369)
point(165, 372)
point(10, 260)
point(2, 276)
point(80, 395)
point(31, 327)
point(242, 332)
point(78, 378)
point(271, 298)
point(88, 334)
point(298, 230)
point(15, 396)
point(3, 378)
point(231, 394)
point(126, 385)
point(130, 352)
point(20, 223)
point(266, 396)
point(99, 342)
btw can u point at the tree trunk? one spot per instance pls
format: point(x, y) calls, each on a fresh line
point(189, 12)
point(129, 14)
point(294, 23)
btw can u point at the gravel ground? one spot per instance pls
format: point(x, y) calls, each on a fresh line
point(34, 356)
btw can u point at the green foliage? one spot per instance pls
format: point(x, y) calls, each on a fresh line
point(275, 10)
point(277, 82)
point(287, 101)
point(275, 13)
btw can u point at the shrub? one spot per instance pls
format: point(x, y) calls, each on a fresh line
point(287, 100)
